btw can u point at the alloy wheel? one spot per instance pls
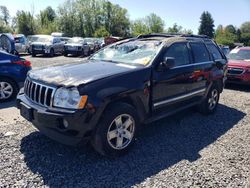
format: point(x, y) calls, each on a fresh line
point(213, 99)
point(6, 90)
point(121, 131)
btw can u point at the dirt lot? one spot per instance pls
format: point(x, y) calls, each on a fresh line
point(185, 150)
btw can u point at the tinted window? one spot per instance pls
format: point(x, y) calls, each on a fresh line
point(200, 52)
point(214, 51)
point(179, 51)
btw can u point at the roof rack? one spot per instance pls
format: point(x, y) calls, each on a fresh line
point(166, 35)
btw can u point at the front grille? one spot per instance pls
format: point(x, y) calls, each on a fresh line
point(39, 93)
point(235, 71)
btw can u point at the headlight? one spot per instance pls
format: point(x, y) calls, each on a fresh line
point(69, 98)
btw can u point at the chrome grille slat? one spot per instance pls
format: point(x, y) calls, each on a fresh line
point(39, 93)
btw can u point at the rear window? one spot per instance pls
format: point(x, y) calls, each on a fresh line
point(19, 40)
point(214, 51)
point(200, 52)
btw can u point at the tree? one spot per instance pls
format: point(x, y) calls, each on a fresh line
point(245, 27)
point(25, 23)
point(4, 14)
point(230, 29)
point(155, 23)
point(206, 24)
point(245, 33)
point(139, 27)
point(101, 32)
point(46, 20)
point(176, 29)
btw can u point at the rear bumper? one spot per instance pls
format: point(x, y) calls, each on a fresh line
point(51, 124)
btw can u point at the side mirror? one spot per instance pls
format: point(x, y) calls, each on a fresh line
point(167, 63)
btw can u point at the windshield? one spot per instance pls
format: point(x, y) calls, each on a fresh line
point(76, 40)
point(131, 52)
point(44, 39)
point(239, 54)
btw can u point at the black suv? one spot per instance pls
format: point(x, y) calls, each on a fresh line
point(135, 81)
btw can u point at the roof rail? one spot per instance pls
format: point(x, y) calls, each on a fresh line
point(171, 35)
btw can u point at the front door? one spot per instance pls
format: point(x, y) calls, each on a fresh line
point(170, 85)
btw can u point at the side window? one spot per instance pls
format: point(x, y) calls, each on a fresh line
point(179, 51)
point(200, 52)
point(214, 51)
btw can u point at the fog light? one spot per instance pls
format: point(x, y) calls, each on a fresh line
point(65, 123)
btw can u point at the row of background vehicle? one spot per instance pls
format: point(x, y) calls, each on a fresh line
point(52, 44)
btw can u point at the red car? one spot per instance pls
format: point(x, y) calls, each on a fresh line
point(239, 66)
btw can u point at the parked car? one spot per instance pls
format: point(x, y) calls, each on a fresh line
point(239, 66)
point(77, 46)
point(134, 81)
point(225, 49)
point(13, 71)
point(47, 45)
point(7, 43)
point(91, 43)
point(21, 44)
point(65, 39)
point(31, 38)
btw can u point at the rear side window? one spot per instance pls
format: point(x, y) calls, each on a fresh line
point(179, 51)
point(214, 51)
point(200, 52)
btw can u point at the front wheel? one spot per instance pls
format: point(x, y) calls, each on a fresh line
point(51, 52)
point(115, 134)
point(210, 103)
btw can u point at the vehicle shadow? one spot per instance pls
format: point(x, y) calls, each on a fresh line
point(159, 146)
point(8, 104)
point(244, 88)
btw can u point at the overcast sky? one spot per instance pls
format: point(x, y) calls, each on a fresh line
point(183, 12)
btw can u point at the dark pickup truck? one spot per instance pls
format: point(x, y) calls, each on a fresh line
point(105, 99)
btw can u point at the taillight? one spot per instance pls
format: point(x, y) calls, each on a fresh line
point(23, 62)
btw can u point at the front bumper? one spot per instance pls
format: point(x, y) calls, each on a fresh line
point(74, 52)
point(51, 124)
point(239, 79)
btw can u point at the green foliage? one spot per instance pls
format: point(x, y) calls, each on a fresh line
point(206, 24)
point(245, 38)
point(25, 23)
point(150, 24)
point(139, 27)
point(226, 38)
point(245, 27)
point(4, 14)
point(176, 29)
point(155, 23)
point(101, 32)
point(230, 29)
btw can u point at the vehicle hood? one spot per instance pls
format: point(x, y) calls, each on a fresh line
point(239, 63)
point(41, 43)
point(78, 73)
point(73, 44)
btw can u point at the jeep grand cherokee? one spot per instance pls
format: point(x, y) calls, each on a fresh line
point(105, 99)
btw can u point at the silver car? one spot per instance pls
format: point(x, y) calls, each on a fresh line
point(77, 46)
point(21, 44)
point(47, 45)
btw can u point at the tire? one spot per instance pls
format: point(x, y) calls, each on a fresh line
point(121, 137)
point(65, 54)
point(8, 89)
point(210, 103)
point(51, 52)
point(33, 54)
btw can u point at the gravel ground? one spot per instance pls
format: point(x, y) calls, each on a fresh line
point(184, 150)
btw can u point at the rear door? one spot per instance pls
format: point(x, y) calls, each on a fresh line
point(202, 67)
point(170, 86)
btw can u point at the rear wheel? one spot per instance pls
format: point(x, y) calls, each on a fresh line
point(51, 52)
point(8, 89)
point(33, 54)
point(210, 103)
point(115, 134)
